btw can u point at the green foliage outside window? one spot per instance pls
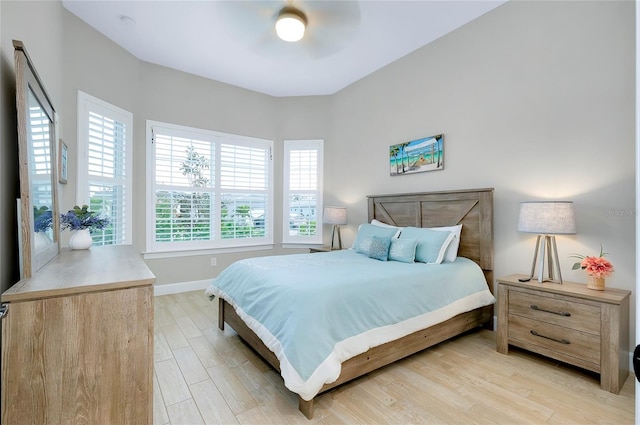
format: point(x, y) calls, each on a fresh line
point(186, 216)
point(105, 236)
point(308, 229)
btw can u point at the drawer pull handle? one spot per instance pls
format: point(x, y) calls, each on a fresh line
point(559, 313)
point(561, 341)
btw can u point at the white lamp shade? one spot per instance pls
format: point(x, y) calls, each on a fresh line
point(547, 218)
point(335, 215)
point(291, 24)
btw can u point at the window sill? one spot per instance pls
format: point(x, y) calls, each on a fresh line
point(290, 245)
point(152, 255)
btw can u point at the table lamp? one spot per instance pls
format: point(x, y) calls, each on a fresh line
point(547, 219)
point(335, 216)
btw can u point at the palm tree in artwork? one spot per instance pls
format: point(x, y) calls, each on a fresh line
point(393, 152)
point(402, 147)
point(439, 150)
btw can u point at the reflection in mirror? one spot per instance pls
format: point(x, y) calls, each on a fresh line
point(40, 174)
point(39, 224)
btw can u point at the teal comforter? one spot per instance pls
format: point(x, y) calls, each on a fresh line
point(315, 311)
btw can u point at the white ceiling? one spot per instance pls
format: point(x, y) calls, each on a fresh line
point(235, 42)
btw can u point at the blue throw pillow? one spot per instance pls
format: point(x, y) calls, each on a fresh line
point(432, 244)
point(403, 250)
point(365, 235)
point(379, 248)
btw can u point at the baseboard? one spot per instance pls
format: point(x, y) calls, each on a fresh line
point(176, 288)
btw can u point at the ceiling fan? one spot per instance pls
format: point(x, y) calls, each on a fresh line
point(329, 25)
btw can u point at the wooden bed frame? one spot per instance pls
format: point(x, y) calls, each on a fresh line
point(471, 208)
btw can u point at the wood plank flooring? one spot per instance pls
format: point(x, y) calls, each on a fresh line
point(205, 376)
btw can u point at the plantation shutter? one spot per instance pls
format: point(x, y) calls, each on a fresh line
point(107, 168)
point(183, 195)
point(41, 160)
point(208, 189)
point(303, 191)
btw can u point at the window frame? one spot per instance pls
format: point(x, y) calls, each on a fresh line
point(155, 249)
point(86, 104)
point(306, 144)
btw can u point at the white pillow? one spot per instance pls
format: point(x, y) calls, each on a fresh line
point(452, 250)
point(381, 224)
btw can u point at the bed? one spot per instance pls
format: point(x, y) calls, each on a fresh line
point(260, 322)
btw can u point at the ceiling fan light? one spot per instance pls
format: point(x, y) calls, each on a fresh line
point(291, 24)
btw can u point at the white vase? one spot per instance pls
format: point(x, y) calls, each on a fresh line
point(80, 239)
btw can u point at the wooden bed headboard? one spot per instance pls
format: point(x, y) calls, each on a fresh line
point(472, 208)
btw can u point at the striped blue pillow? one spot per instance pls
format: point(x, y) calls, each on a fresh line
point(403, 250)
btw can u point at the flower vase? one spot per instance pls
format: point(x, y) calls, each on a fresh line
point(595, 283)
point(80, 239)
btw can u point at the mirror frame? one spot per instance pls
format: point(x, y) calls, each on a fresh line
point(27, 79)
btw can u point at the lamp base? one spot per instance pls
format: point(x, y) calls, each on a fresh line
point(336, 229)
point(549, 242)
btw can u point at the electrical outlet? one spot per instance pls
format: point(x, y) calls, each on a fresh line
point(214, 262)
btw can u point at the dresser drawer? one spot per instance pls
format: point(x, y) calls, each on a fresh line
point(563, 341)
point(556, 310)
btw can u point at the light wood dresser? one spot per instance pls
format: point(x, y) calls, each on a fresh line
point(567, 322)
point(77, 341)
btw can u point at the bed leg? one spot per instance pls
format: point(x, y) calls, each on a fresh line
point(306, 407)
point(221, 313)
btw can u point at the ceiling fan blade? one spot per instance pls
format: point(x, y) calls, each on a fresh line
point(249, 20)
point(330, 25)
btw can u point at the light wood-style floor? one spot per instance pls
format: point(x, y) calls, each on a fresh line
point(205, 376)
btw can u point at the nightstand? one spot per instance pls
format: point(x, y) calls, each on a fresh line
point(567, 322)
point(325, 248)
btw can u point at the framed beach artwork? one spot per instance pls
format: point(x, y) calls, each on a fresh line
point(417, 156)
point(62, 154)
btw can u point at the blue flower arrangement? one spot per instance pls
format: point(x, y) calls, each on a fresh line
point(42, 219)
point(81, 218)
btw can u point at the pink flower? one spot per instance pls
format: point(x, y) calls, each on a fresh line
point(596, 266)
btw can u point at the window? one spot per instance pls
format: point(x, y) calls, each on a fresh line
point(302, 192)
point(40, 151)
point(104, 166)
point(207, 189)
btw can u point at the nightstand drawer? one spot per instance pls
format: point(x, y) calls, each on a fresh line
point(558, 339)
point(568, 322)
point(556, 310)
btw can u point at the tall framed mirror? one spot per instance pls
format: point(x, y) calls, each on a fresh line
point(39, 215)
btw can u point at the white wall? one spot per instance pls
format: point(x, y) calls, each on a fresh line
point(637, 287)
point(39, 25)
point(535, 99)
point(99, 67)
